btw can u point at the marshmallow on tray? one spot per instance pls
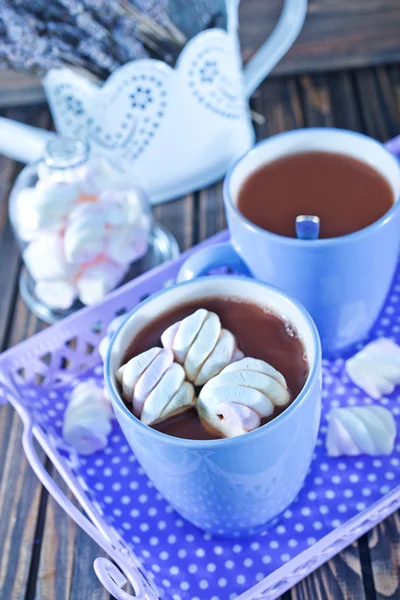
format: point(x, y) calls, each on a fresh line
point(376, 368)
point(235, 401)
point(360, 430)
point(87, 419)
point(201, 345)
point(155, 386)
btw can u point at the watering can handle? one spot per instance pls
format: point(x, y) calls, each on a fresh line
point(275, 47)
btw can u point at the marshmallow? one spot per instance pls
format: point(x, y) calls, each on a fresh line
point(376, 368)
point(44, 257)
point(24, 216)
point(201, 345)
point(133, 201)
point(56, 293)
point(156, 386)
point(53, 202)
point(360, 430)
point(114, 213)
point(85, 235)
point(111, 329)
point(98, 174)
point(125, 244)
point(235, 401)
point(97, 279)
point(87, 419)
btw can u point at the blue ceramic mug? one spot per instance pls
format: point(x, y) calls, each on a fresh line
point(229, 487)
point(342, 281)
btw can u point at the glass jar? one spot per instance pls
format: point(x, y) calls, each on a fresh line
point(83, 229)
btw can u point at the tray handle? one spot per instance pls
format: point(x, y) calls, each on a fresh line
point(109, 574)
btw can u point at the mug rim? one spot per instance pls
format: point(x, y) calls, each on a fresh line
point(219, 443)
point(348, 237)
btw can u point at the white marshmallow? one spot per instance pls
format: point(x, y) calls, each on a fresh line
point(360, 430)
point(252, 384)
point(99, 174)
point(201, 345)
point(156, 386)
point(128, 375)
point(112, 328)
point(44, 257)
point(114, 213)
point(53, 202)
point(126, 244)
point(56, 293)
point(87, 419)
point(99, 279)
point(25, 218)
point(85, 235)
point(376, 368)
point(133, 200)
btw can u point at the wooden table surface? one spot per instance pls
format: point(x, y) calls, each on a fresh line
point(43, 554)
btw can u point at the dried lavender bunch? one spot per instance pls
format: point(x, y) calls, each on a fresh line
point(97, 35)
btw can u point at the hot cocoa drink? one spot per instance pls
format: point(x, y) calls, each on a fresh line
point(345, 193)
point(258, 334)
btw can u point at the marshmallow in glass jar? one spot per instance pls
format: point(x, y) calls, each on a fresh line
point(80, 225)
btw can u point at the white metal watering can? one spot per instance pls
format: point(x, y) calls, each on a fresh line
point(174, 130)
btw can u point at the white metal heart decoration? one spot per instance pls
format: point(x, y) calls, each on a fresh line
point(174, 130)
point(165, 126)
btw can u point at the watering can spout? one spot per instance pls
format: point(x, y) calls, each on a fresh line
point(22, 142)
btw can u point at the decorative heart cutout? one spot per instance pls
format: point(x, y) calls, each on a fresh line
point(163, 126)
point(213, 74)
point(122, 115)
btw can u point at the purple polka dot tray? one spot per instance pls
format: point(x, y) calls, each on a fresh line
point(159, 553)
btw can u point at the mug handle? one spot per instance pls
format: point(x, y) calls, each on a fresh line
point(217, 255)
point(275, 47)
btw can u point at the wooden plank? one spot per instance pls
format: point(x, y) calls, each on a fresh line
point(379, 103)
point(9, 254)
point(21, 494)
point(384, 546)
point(84, 583)
point(394, 76)
point(177, 217)
point(20, 497)
point(20, 89)
point(280, 103)
point(329, 101)
point(211, 213)
point(337, 34)
point(66, 560)
point(340, 579)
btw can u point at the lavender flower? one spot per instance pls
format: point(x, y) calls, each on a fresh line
point(96, 35)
